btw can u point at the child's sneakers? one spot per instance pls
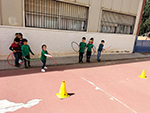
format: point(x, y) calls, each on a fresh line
point(20, 61)
point(42, 70)
point(45, 67)
point(99, 60)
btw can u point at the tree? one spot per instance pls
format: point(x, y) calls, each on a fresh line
point(145, 25)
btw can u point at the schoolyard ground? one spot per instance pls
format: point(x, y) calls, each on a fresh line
point(106, 87)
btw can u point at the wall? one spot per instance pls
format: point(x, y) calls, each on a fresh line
point(59, 42)
point(125, 6)
point(83, 2)
point(12, 12)
point(130, 7)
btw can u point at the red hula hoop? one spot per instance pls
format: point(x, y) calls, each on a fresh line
point(11, 54)
point(54, 60)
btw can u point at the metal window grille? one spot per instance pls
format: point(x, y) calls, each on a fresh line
point(53, 14)
point(117, 23)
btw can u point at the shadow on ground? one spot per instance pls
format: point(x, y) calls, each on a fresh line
point(19, 72)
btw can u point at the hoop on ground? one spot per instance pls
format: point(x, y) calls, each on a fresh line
point(32, 59)
point(75, 46)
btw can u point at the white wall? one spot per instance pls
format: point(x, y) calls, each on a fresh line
point(12, 12)
point(59, 42)
point(125, 6)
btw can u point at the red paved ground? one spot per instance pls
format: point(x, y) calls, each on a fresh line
point(130, 93)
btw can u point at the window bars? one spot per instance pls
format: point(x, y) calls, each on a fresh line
point(117, 23)
point(53, 14)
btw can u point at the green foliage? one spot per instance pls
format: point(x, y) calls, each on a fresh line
point(145, 25)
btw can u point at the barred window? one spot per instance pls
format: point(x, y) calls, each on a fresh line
point(117, 23)
point(54, 14)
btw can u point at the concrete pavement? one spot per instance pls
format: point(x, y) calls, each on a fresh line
point(74, 60)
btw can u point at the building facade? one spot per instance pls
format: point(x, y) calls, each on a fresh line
point(57, 23)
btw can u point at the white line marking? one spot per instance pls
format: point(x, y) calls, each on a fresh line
point(112, 97)
point(7, 106)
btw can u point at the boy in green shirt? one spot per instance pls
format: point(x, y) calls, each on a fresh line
point(44, 55)
point(26, 52)
point(89, 51)
point(82, 47)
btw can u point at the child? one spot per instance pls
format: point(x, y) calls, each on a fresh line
point(82, 47)
point(16, 48)
point(16, 35)
point(26, 52)
point(100, 49)
point(92, 40)
point(89, 50)
point(44, 55)
point(20, 36)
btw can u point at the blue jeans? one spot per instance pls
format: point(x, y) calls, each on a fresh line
point(25, 61)
point(17, 56)
point(88, 56)
point(44, 63)
point(81, 56)
point(98, 55)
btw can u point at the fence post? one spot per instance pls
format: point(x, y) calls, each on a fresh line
point(134, 49)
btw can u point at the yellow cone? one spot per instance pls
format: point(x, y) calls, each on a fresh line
point(143, 75)
point(62, 92)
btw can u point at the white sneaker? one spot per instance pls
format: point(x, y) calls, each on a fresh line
point(45, 67)
point(42, 70)
point(20, 61)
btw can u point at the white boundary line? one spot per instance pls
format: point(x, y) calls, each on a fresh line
point(112, 97)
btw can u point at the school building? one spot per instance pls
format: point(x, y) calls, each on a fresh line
point(57, 23)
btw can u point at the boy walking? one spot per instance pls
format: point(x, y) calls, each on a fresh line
point(100, 49)
point(82, 47)
point(26, 52)
point(16, 48)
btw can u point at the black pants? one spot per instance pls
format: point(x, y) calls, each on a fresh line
point(44, 63)
point(25, 61)
point(88, 56)
point(81, 56)
point(17, 56)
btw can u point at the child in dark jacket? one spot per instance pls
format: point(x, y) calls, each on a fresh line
point(100, 49)
point(16, 48)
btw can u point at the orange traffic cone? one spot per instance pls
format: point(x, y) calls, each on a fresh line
point(143, 75)
point(62, 92)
